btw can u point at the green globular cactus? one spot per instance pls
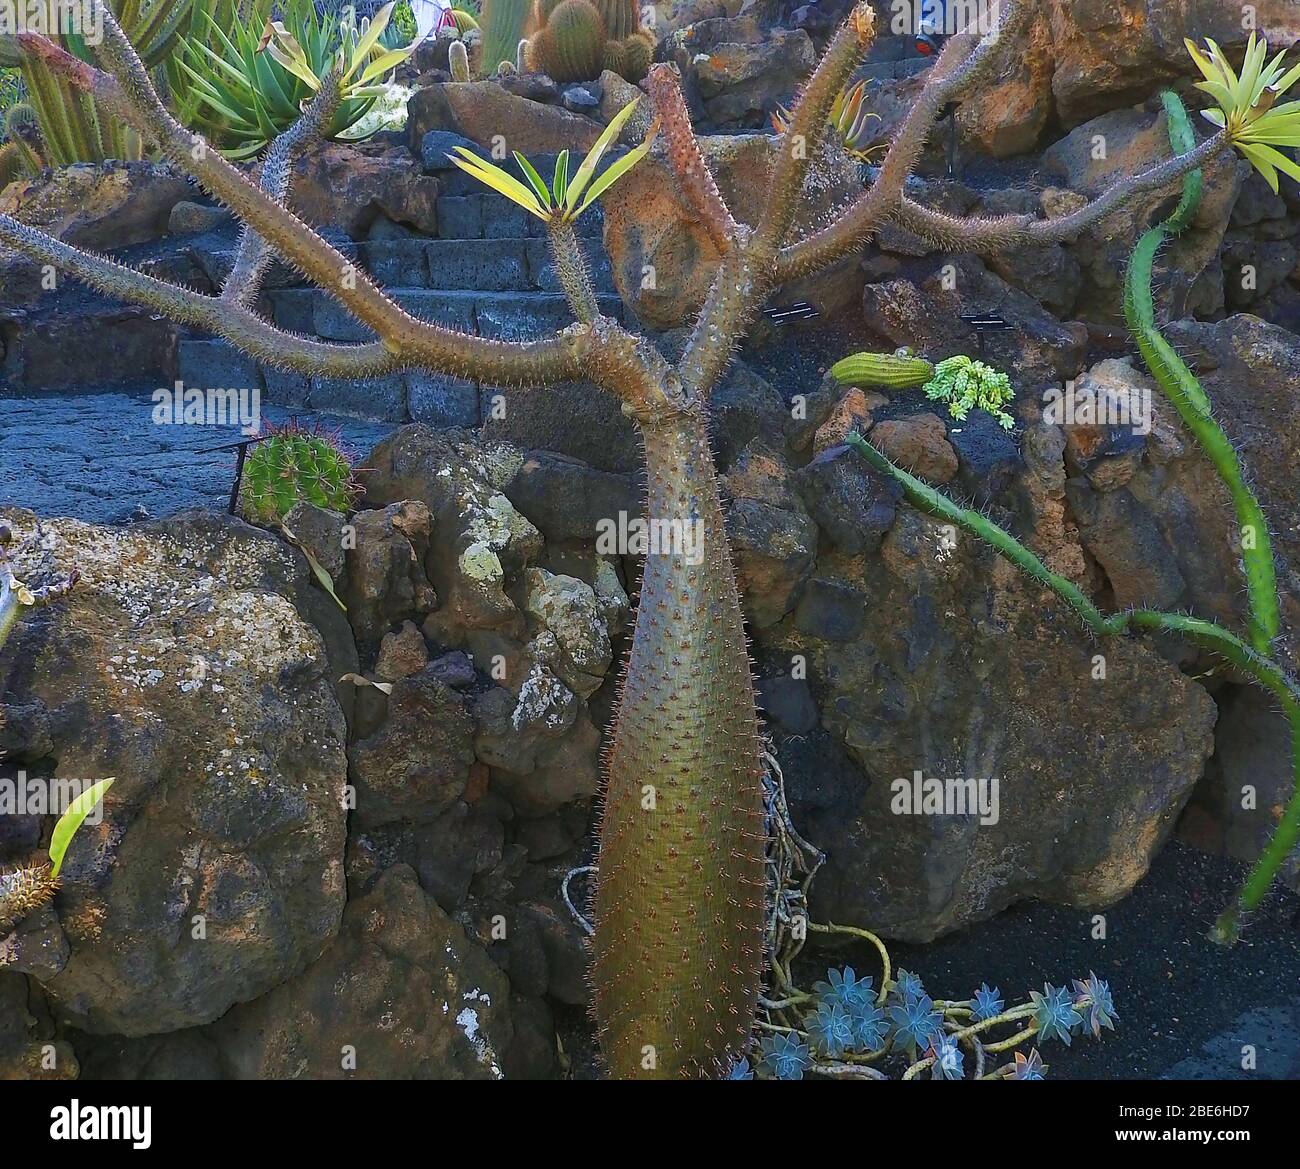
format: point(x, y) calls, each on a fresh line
point(1182, 389)
point(295, 465)
point(571, 45)
point(502, 23)
point(966, 385)
point(638, 52)
point(11, 164)
point(613, 58)
point(890, 371)
point(458, 59)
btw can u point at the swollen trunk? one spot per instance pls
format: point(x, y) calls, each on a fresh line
point(679, 905)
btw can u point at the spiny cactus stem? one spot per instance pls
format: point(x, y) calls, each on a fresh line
point(253, 257)
point(965, 60)
point(977, 236)
point(687, 161)
point(1263, 670)
point(239, 326)
point(808, 124)
point(14, 595)
point(571, 270)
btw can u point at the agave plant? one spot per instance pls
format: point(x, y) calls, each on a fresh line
point(564, 199)
point(244, 88)
point(1247, 105)
point(847, 118)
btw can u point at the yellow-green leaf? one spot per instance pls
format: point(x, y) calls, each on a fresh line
point(498, 180)
point(615, 171)
point(535, 180)
point(594, 155)
point(72, 819)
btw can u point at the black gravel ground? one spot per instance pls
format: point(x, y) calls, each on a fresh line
point(1187, 1007)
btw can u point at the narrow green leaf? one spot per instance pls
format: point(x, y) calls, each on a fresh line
point(588, 168)
point(615, 171)
point(534, 179)
point(72, 819)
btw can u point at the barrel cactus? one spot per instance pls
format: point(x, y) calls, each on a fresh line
point(294, 465)
point(571, 45)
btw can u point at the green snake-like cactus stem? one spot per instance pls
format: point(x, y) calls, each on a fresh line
point(1180, 386)
point(679, 904)
point(292, 466)
point(890, 371)
point(621, 18)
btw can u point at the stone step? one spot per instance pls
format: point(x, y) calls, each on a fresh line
point(412, 396)
point(476, 265)
point(470, 214)
point(510, 316)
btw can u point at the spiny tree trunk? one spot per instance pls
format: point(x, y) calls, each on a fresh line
point(680, 896)
point(679, 904)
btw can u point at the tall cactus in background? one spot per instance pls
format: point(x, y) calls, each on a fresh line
point(621, 18)
point(503, 23)
point(678, 951)
point(73, 127)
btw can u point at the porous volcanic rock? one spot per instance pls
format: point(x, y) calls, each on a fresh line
point(194, 662)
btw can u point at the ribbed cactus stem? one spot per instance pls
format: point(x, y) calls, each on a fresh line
point(1180, 386)
point(891, 371)
point(502, 23)
point(680, 901)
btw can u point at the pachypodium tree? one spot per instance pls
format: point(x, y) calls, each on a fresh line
point(679, 945)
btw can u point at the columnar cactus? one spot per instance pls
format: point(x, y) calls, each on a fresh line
point(679, 904)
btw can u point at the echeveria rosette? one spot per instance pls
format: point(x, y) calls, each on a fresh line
point(1029, 1067)
point(1054, 1013)
point(915, 1022)
point(869, 1027)
point(830, 1029)
point(1094, 999)
point(987, 1004)
point(966, 385)
point(1247, 105)
point(740, 1070)
point(846, 988)
point(907, 986)
point(786, 1056)
point(947, 1058)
